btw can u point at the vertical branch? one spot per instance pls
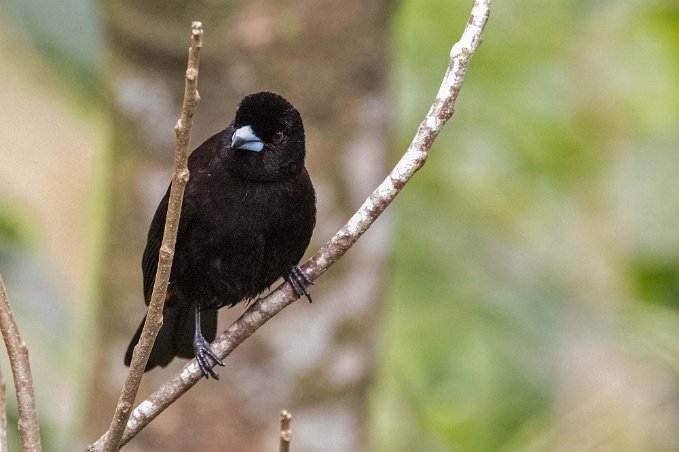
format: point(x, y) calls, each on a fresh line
point(154, 317)
point(286, 433)
point(23, 381)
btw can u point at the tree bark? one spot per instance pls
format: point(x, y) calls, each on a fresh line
point(29, 428)
point(328, 57)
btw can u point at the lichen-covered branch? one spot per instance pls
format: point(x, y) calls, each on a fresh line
point(23, 381)
point(154, 317)
point(414, 158)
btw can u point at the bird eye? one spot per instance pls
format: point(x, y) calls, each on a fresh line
point(278, 137)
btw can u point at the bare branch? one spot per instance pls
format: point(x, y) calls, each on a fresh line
point(264, 308)
point(23, 381)
point(154, 317)
point(286, 433)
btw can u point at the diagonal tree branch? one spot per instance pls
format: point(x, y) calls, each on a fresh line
point(264, 308)
point(23, 381)
point(154, 317)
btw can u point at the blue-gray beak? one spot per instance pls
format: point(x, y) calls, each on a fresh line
point(245, 138)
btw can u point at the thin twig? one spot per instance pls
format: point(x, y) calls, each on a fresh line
point(23, 381)
point(154, 317)
point(263, 309)
point(286, 433)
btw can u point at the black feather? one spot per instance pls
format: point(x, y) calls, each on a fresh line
point(247, 218)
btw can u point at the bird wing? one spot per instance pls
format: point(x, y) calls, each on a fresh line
point(149, 262)
point(199, 158)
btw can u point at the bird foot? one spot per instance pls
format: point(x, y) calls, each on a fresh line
point(206, 358)
point(299, 283)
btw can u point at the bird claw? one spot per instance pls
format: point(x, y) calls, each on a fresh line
point(206, 358)
point(299, 283)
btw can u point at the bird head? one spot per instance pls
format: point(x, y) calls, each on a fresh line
point(266, 139)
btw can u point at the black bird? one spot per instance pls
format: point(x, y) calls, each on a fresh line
point(248, 213)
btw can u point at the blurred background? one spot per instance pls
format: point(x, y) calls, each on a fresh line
point(521, 294)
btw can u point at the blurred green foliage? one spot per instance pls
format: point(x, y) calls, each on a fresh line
point(54, 50)
point(66, 33)
point(17, 229)
point(546, 214)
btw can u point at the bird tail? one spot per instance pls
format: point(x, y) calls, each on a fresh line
point(175, 337)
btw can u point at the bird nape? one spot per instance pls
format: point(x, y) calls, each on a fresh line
point(248, 213)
